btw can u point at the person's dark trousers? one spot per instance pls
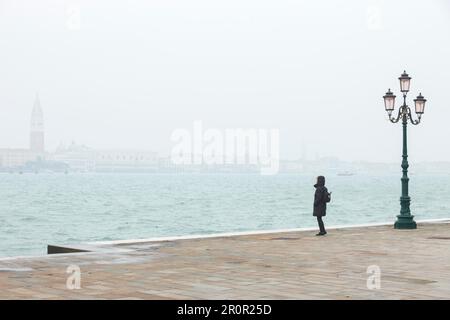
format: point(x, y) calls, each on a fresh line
point(321, 226)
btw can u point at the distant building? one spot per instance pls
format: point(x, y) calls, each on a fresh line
point(74, 157)
point(77, 157)
point(83, 159)
point(37, 128)
point(125, 160)
point(15, 158)
point(12, 158)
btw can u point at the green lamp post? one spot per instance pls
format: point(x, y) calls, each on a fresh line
point(404, 220)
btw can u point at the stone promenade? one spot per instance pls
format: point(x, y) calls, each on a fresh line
point(413, 264)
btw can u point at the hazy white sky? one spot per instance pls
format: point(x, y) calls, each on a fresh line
point(133, 71)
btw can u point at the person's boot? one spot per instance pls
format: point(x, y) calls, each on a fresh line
point(321, 234)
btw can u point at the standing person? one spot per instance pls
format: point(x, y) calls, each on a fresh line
point(321, 197)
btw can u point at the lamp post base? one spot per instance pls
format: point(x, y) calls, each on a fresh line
point(405, 222)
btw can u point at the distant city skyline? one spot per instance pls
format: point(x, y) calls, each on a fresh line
point(37, 132)
point(37, 136)
point(119, 76)
point(75, 157)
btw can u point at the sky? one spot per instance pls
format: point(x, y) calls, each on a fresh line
point(126, 74)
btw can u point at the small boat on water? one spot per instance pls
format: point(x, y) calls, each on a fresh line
point(345, 174)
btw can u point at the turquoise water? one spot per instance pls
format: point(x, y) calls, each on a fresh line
point(38, 209)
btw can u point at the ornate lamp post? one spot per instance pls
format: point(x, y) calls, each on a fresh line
point(404, 220)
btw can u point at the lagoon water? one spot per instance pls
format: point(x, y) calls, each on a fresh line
point(41, 209)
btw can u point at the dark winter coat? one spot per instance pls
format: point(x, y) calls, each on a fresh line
point(320, 198)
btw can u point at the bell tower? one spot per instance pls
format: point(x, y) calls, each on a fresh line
point(37, 127)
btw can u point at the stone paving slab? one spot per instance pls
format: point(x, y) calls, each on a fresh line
point(414, 264)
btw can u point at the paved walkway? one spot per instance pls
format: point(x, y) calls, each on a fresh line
point(414, 264)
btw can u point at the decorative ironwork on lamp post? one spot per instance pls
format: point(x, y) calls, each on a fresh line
point(404, 220)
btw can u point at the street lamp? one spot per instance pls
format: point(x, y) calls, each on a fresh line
point(404, 220)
